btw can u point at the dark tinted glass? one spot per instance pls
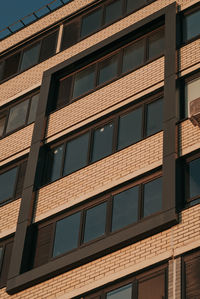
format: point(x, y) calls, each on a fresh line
point(113, 11)
point(156, 44)
point(125, 208)
point(30, 57)
point(153, 288)
point(191, 25)
point(95, 222)
point(92, 22)
point(133, 56)
point(2, 124)
point(33, 108)
point(194, 172)
point(108, 69)
point(48, 46)
point(84, 81)
point(130, 128)
point(103, 140)
point(134, 4)
point(1, 69)
point(7, 184)
point(56, 158)
point(17, 116)
point(70, 34)
point(152, 197)
point(154, 117)
point(11, 65)
point(1, 256)
point(191, 93)
point(67, 234)
point(121, 293)
point(76, 154)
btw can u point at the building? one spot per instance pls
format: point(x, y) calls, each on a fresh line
point(99, 173)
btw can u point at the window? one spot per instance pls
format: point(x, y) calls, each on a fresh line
point(112, 66)
point(118, 209)
point(191, 25)
point(91, 22)
point(29, 56)
point(192, 91)
point(191, 275)
point(18, 115)
point(5, 255)
point(124, 129)
point(192, 176)
point(113, 11)
point(147, 285)
point(11, 182)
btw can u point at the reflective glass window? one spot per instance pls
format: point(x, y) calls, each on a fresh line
point(192, 92)
point(76, 154)
point(33, 108)
point(113, 11)
point(191, 25)
point(133, 56)
point(55, 163)
point(84, 81)
point(194, 178)
point(91, 22)
point(108, 69)
point(130, 128)
point(156, 44)
point(125, 208)
point(154, 117)
point(134, 4)
point(102, 143)
point(124, 292)
point(152, 197)
point(95, 222)
point(67, 234)
point(7, 184)
point(17, 116)
point(30, 57)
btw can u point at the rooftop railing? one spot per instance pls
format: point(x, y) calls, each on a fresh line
point(32, 17)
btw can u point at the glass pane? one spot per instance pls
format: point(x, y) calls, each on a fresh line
point(95, 222)
point(121, 293)
point(91, 22)
point(191, 25)
point(154, 117)
point(113, 11)
point(33, 109)
point(152, 197)
point(30, 57)
point(17, 116)
point(55, 163)
point(7, 184)
point(76, 154)
point(2, 124)
point(130, 128)
point(67, 234)
point(134, 4)
point(156, 44)
point(152, 288)
point(108, 69)
point(125, 208)
point(133, 56)
point(1, 70)
point(84, 81)
point(103, 140)
point(1, 256)
point(192, 92)
point(194, 173)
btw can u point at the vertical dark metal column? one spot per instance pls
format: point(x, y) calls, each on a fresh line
point(27, 203)
point(170, 150)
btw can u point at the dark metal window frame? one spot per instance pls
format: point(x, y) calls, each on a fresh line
point(3, 244)
point(119, 74)
point(22, 49)
point(6, 111)
point(91, 130)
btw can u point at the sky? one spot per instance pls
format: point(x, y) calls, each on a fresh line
point(13, 10)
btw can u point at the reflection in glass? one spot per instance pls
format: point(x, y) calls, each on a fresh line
point(84, 81)
point(7, 184)
point(121, 293)
point(67, 234)
point(194, 173)
point(2, 124)
point(152, 197)
point(76, 154)
point(191, 25)
point(103, 140)
point(156, 44)
point(33, 109)
point(154, 117)
point(91, 22)
point(30, 57)
point(192, 92)
point(17, 116)
point(108, 69)
point(55, 163)
point(125, 208)
point(113, 11)
point(95, 222)
point(130, 128)
point(133, 56)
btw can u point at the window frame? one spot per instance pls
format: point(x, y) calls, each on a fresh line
point(114, 119)
point(184, 14)
point(6, 111)
point(3, 244)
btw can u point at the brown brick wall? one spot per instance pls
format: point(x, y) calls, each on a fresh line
point(9, 215)
point(16, 142)
point(189, 137)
